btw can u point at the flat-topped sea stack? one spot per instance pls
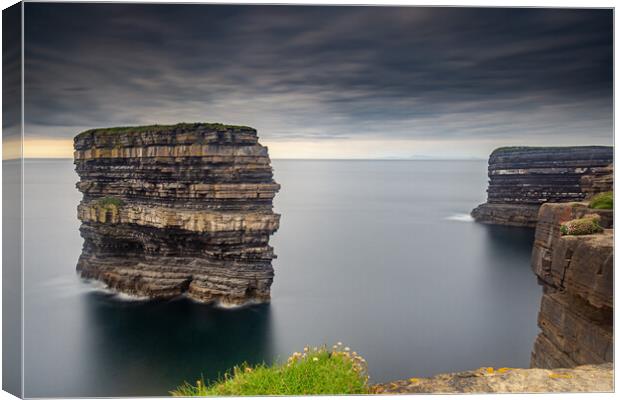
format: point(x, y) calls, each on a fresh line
point(178, 209)
point(523, 178)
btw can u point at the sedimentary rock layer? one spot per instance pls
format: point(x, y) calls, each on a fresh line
point(576, 272)
point(185, 208)
point(523, 178)
point(587, 378)
point(598, 180)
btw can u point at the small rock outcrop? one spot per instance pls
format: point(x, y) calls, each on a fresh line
point(598, 180)
point(576, 272)
point(179, 209)
point(587, 378)
point(523, 178)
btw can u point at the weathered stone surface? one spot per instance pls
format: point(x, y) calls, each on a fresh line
point(587, 378)
point(523, 178)
point(572, 333)
point(582, 264)
point(598, 180)
point(506, 214)
point(181, 209)
point(576, 314)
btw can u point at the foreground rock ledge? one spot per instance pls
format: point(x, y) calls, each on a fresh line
point(177, 209)
point(586, 378)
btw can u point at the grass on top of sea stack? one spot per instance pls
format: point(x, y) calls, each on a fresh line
point(603, 201)
point(180, 127)
point(315, 371)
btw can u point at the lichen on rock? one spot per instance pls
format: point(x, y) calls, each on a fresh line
point(587, 378)
point(177, 209)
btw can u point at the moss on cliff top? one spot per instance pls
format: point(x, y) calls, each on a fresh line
point(603, 201)
point(181, 127)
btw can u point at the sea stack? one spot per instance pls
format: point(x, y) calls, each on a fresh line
point(523, 178)
point(177, 209)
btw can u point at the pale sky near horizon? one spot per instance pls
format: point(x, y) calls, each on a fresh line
point(323, 82)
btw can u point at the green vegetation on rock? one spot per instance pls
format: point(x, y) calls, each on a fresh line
point(603, 201)
point(165, 128)
point(587, 225)
point(315, 371)
point(107, 202)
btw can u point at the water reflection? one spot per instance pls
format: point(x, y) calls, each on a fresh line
point(11, 275)
point(167, 342)
point(507, 241)
point(508, 249)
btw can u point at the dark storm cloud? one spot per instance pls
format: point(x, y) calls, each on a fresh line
point(321, 72)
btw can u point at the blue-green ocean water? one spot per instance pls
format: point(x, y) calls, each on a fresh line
point(380, 255)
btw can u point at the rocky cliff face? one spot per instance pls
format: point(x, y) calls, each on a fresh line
point(168, 210)
point(598, 180)
point(576, 313)
point(523, 178)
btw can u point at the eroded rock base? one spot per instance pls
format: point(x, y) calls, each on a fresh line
point(506, 214)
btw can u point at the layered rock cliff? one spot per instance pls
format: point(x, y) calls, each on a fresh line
point(523, 178)
point(576, 272)
point(179, 209)
point(598, 180)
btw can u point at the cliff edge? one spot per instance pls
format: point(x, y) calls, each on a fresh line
point(576, 272)
point(177, 209)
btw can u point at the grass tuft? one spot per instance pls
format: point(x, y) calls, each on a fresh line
point(109, 201)
point(603, 201)
point(587, 225)
point(315, 371)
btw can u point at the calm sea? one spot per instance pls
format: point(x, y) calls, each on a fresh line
point(380, 255)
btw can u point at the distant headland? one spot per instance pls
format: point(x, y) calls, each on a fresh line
point(522, 178)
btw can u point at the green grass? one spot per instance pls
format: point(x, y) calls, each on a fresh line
point(164, 128)
point(109, 201)
point(317, 371)
point(587, 225)
point(603, 201)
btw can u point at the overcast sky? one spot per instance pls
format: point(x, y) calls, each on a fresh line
point(370, 82)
